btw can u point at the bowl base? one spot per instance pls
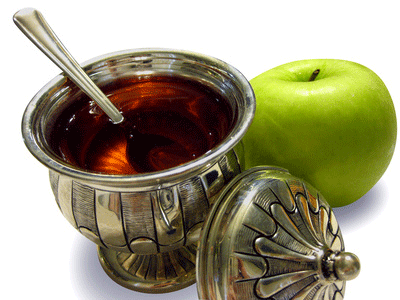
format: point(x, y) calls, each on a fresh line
point(155, 273)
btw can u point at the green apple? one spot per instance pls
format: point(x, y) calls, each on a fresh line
point(330, 122)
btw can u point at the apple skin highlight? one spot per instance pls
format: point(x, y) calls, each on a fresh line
point(337, 131)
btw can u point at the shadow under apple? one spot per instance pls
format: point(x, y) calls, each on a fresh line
point(364, 210)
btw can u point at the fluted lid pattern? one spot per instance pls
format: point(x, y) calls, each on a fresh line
point(272, 236)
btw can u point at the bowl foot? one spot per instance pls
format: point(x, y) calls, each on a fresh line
point(155, 273)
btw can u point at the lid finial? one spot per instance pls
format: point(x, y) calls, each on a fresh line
point(346, 266)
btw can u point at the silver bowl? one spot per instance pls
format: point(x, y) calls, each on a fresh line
point(146, 225)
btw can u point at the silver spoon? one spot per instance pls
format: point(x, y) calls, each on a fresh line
point(34, 26)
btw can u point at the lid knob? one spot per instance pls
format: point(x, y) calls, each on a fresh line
point(346, 265)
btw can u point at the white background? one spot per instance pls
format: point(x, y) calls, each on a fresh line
point(43, 257)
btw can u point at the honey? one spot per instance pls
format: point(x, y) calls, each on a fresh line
point(168, 121)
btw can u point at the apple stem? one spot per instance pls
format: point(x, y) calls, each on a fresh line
point(314, 75)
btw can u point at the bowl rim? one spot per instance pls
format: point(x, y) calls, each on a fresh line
point(168, 176)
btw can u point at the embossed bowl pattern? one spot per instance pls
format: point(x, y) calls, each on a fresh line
point(143, 222)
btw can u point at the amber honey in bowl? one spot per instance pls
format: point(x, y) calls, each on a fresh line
point(168, 121)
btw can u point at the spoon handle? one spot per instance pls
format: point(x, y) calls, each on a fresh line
point(32, 23)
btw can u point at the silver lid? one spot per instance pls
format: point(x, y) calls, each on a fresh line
point(271, 235)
